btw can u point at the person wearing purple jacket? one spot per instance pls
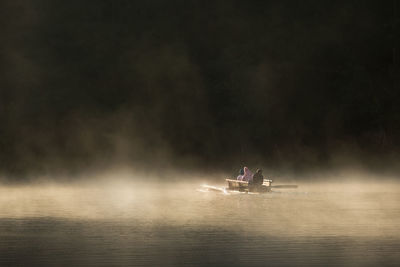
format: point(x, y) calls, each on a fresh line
point(248, 175)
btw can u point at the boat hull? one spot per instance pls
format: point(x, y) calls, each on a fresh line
point(242, 186)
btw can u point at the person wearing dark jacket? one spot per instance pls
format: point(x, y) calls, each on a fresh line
point(258, 178)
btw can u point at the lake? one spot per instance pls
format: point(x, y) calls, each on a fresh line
point(126, 223)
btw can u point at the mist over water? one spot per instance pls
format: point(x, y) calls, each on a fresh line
point(183, 92)
point(138, 222)
point(176, 83)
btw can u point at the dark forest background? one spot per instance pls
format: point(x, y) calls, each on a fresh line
point(297, 85)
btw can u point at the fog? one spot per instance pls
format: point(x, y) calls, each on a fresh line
point(176, 84)
point(126, 218)
point(337, 207)
point(120, 120)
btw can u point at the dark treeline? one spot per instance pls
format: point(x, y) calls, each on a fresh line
point(198, 84)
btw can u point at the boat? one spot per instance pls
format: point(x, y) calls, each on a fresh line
point(243, 186)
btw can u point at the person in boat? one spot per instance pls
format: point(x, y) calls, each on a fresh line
point(258, 178)
point(247, 175)
point(240, 176)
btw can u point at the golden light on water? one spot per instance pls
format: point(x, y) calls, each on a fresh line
point(320, 208)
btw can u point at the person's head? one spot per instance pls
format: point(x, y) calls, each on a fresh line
point(245, 169)
point(259, 171)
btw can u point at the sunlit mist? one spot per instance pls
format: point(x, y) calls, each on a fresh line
point(318, 208)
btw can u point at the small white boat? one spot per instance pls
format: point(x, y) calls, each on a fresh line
point(242, 186)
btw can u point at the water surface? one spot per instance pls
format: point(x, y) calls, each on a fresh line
point(163, 224)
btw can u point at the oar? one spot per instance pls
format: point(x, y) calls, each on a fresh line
point(284, 186)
